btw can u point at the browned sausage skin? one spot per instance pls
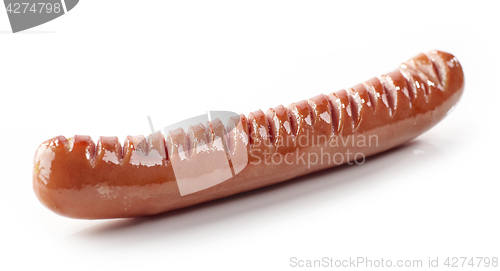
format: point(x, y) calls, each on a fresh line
point(77, 178)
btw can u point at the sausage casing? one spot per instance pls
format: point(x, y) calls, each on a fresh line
point(77, 178)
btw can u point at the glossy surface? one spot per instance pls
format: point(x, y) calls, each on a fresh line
point(80, 179)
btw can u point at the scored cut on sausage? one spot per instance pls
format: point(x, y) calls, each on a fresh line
point(77, 178)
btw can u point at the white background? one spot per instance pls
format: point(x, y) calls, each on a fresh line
point(106, 65)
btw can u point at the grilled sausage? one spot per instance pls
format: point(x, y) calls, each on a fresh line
point(77, 178)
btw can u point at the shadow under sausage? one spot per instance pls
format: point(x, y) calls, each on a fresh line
point(142, 229)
